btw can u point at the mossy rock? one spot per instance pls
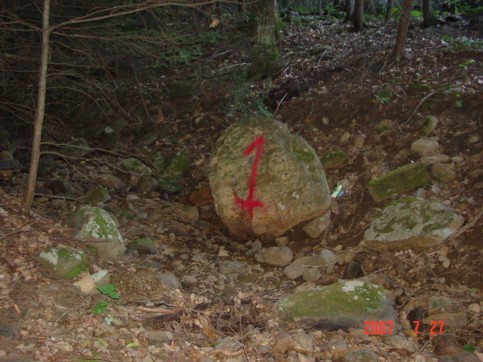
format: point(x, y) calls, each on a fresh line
point(334, 159)
point(63, 261)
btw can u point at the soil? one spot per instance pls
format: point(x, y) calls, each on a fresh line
point(334, 85)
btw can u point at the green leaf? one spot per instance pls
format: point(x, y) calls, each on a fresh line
point(109, 290)
point(100, 308)
point(469, 348)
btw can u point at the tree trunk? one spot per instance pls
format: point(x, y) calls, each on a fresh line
point(350, 4)
point(428, 16)
point(266, 53)
point(389, 5)
point(402, 30)
point(40, 112)
point(358, 17)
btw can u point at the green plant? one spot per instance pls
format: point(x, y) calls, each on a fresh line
point(461, 43)
point(416, 13)
point(464, 64)
point(110, 291)
point(384, 96)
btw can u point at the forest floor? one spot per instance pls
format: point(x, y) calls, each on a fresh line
point(334, 85)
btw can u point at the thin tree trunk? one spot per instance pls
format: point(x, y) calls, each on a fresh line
point(428, 16)
point(40, 112)
point(402, 30)
point(389, 6)
point(358, 17)
point(349, 9)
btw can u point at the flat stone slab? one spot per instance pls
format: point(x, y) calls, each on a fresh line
point(412, 223)
point(398, 181)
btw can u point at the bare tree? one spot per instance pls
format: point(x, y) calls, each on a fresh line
point(389, 6)
point(428, 16)
point(358, 16)
point(402, 30)
point(39, 114)
point(98, 14)
point(266, 55)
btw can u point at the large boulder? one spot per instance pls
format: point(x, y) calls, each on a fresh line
point(289, 183)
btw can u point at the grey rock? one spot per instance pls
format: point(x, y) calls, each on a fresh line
point(412, 223)
point(444, 173)
point(63, 261)
point(337, 347)
point(158, 336)
point(327, 260)
point(317, 226)
point(361, 356)
point(97, 228)
point(256, 247)
point(228, 344)
point(297, 267)
point(299, 342)
point(337, 306)
point(231, 266)
point(290, 183)
point(275, 255)
point(170, 280)
point(425, 147)
point(311, 274)
point(282, 241)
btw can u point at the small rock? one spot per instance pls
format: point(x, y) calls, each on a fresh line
point(327, 260)
point(169, 280)
point(299, 342)
point(297, 267)
point(425, 147)
point(439, 158)
point(338, 347)
point(256, 247)
point(360, 356)
point(159, 336)
point(446, 344)
point(443, 173)
point(228, 344)
point(474, 308)
point(385, 125)
point(400, 343)
point(63, 261)
point(359, 140)
point(275, 255)
point(317, 226)
point(311, 274)
point(231, 266)
point(429, 124)
point(281, 241)
point(345, 137)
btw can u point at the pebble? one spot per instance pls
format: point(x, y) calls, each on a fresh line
point(474, 308)
point(255, 248)
point(169, 280)
point(299, 342)
point(232, 266)
point(159, 336)
point(228, 344)
point(337, 347)
point(275, 255)
point(361, 356)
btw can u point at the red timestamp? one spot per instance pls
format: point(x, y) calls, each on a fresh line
point(378, 327)
point(436, 327)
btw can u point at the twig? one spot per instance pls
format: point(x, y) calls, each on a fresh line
point(417, 107)
point(279, 104)
point(470, 224)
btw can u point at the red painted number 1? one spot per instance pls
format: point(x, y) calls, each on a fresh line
point(249, 203)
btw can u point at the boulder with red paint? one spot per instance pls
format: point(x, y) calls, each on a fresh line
point(267, 195)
